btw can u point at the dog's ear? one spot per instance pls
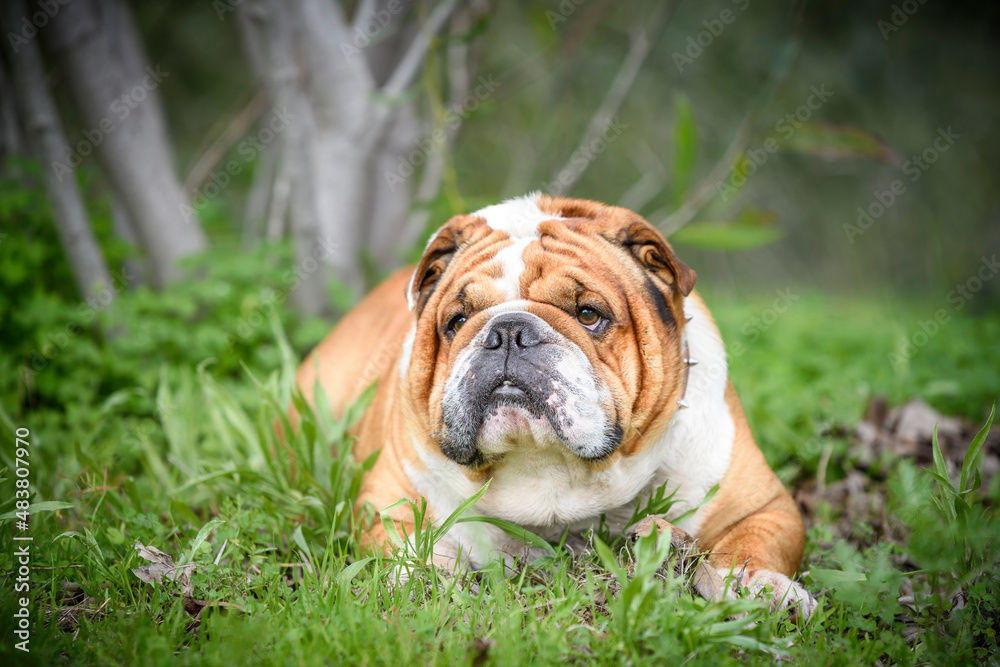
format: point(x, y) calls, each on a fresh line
point(627, 230)
point(653, 252)
point(441, 249)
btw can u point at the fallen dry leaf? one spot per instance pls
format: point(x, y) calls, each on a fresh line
point(163, 567)
point(908, 431)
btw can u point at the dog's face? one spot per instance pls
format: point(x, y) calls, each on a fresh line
point(545, 323)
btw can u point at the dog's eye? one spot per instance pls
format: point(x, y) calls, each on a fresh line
point(456, 323)
point(588, 317)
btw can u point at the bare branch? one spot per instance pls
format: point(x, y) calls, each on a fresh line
point(365, 9)
point(384, 35)
point(705, 190)
point(234, 125)
point(703, 193)
point(259, 196)
point(640, 43)
point(412, 60)
point(654, 178)
point(457, 60)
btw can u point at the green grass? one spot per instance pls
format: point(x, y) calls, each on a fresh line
point(203, 479)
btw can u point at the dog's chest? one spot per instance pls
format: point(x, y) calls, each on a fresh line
point(552, 489)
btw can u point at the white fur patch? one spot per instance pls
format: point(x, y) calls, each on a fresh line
point(519, 218)
point(512, 266)
point(698, 444)
point(404, 359)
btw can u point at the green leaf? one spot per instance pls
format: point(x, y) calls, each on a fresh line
point(323, 415)
point(976, 482)
point(200, 538)
point(944, 482)
point(939, 465)
point(118, 398)
point(834, 141)
point(459, 511)
point(685, 148)
point(289, 362)
point(748, 643)
point(513, 530)
point(44, 506)
point(691, 512)
point(356, 409)
point(750, 229)
point(944, 510)
point(300, 542)
point(245, 473)
point(351, 571)
point(971, 461)
point(389, 525)
point(609, 561)
point(68, 533)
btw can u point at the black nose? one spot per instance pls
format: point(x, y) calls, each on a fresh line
point(513, 330)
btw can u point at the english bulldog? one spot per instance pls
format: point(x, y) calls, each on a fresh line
point(557, 348)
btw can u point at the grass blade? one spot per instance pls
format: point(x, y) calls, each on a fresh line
point(971, 461)
point(459, 511)
point(513, 530)
point(200, 538)
point(351, 571)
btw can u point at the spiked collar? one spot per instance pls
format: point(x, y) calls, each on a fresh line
point(689, 361)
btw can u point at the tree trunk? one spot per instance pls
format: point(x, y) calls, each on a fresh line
point(345, 133)
point(269, 32)
point(114, 91)
point(45, 131)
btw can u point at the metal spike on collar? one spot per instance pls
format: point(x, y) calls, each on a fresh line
point(739, 577)
point(682, 404)
point(691, 361)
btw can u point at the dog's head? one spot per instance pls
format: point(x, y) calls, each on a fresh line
point(545, 322)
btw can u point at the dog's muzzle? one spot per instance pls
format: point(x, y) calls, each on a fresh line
point(518, 361)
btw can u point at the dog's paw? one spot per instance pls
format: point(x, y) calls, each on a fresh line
point(780, 592)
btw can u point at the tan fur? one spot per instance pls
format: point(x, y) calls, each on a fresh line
point(365, 347)
point(752, 519)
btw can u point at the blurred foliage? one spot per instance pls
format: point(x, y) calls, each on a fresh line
point(267, 522)
point(64, 358)
point(749, 229)
point(154, 412)
point(156, 418)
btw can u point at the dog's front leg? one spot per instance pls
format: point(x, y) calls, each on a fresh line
point(764, 549)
